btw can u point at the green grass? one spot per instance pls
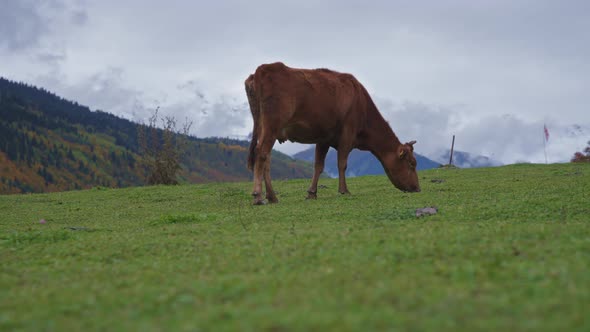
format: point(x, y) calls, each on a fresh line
point(508, 250)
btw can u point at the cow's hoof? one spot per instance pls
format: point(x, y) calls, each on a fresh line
point(259, 202)
point(311, 196)
point(345, 192)
point(273, 200)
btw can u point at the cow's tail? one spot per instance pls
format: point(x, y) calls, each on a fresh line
point(254, 109)
point(252, 152)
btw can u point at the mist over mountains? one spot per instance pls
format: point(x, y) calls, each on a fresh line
point(359, 162)
point(504, 138)
point(466, 160)
point(364, 163)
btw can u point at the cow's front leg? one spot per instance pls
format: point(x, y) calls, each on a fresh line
point(342, 161)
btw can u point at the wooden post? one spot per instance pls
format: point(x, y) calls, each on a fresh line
point(545, 140)
point(452, 147)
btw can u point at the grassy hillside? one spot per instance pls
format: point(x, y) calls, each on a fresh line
point(508, 250)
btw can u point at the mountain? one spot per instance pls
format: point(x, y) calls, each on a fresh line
point(359, 162)
point(48, 143)
point(467, 160)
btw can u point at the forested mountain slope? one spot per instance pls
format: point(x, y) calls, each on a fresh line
point(48, 143)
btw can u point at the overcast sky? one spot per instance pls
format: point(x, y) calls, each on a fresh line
point(491, 72)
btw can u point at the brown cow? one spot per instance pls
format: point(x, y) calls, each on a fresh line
point(329, 109)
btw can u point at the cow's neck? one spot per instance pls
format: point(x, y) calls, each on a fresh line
point(380, 138)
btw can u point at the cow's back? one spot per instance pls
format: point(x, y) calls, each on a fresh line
point(311, 86)
point(310, 104)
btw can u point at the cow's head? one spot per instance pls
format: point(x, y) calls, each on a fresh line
point(400, 167)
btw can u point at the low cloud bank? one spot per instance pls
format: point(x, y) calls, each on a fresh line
point(505, 138)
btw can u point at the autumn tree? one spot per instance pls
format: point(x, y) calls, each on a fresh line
point(161, 149)
point(580, 157)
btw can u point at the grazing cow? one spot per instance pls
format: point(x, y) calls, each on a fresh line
point(324, 107)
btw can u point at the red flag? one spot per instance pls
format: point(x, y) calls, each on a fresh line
point(546, 132)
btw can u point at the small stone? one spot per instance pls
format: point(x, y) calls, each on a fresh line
point(426, 211)
point(42, 221)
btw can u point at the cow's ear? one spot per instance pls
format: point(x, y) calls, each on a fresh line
point(402, 153)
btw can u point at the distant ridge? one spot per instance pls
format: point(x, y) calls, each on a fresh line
point(467, 160)
point(359, 162)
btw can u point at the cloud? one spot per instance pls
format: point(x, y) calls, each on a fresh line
point(106, 90)
point(25, 24)
point(505, 138)
point(211, 116)
point(417, 121)
point(79, 17)
point(52, 60)
point(21, 25)
point(110, 91)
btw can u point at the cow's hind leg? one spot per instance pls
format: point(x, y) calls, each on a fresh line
point(270, 194)
point(320, 156)
point(263, 150)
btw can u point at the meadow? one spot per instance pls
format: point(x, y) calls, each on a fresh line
point(509, 249)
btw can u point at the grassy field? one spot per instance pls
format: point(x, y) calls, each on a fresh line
point(508, 250)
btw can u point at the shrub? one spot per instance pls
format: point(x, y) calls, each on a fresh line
point(580, 157)
point(161, 149)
